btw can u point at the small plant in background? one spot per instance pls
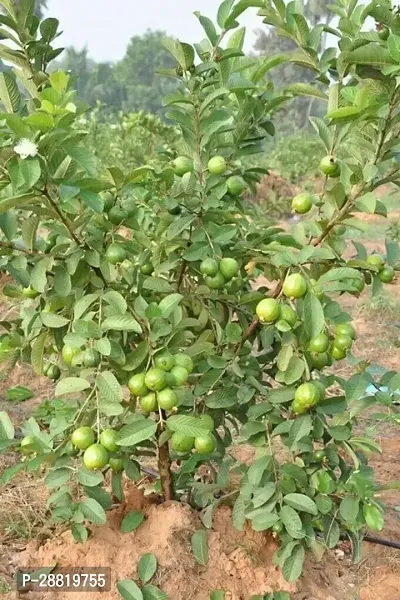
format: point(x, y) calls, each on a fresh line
point(129, 140)
point(393, 231)
point(18, 393)
point(142, 589)
point(296, 157)
point(56, 409)
point(273, 197)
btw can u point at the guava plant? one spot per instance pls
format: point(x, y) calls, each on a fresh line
point(136, 290)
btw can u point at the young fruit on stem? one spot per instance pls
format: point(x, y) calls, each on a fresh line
point(217, 165)
point(330, 166)
point(302, 203)
point(268, 310)
point(295, 286)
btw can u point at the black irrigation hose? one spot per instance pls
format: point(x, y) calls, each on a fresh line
point(382, 542)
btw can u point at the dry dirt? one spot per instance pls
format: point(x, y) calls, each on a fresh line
point(239, 563)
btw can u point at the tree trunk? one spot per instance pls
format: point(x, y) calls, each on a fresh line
point(164, 466)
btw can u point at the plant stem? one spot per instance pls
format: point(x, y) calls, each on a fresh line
point(18, 249)
point(63, 219)
point(164, 463)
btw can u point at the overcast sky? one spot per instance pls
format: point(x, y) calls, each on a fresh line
point(105, 26)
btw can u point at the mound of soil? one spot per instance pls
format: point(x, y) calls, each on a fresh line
point(240, 563)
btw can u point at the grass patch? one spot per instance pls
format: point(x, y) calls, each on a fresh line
point(23, 511)
point(4, 587)
point(384, 307)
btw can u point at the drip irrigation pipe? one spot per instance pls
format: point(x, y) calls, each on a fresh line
point(382, 542)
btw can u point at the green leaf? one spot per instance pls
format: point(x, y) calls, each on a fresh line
point(305, 89)
point(373, 54)
point(147, 567)
point(39, 277)
point(178, 225)
point(300, 428)
point(116, 486)
point(29, 230)
point(121, 323)
point(374, 517)
point(292, 522)
point(301, 502)
point(262, 495)
point(103, 346)
point(9, 473)
point(48, 29)
point(294, 370)
point(59, 79)
point(58, 477)
point(129, 590)
point(152, 592)
point(199, 546)
point(19, 393)
point(136, 432)
point(79, 533)
point(392, 252)
point(293, 565)
point(223, 12)
point(109, 388)
point(187, 425)
point(281, 395)
point(53, 321)
point(238, 513)
point(217, 595)
point(157, 284)
point(339, 274)
point(323, 131)
point(89, 478)
point(284, 356)
point(82, 156)
point(71, 385)
point(117, 301)
point(40, 120)
point(18, 201)
point(345, 112)
point(239, 8)
point(93, 511)
point(9, 92)
point(175, 48)
point(83, 305)
point(222, 398)
point(98, 493)
point(349, 508)
point(37, 352)
point(313, 314)
point(394, 47)
point(136, 358)
point(131, 521)
point(331, 532)
point(6, 427)
point(168, 304)
point(265, 519)
point(208, 27)
point(257, 470)
point(366, 203)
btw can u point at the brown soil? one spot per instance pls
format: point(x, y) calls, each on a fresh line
point(239, 563)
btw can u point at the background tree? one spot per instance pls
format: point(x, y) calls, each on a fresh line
point(137, 71)
point(131, 84)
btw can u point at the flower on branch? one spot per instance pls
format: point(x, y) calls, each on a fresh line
point(26, 148)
